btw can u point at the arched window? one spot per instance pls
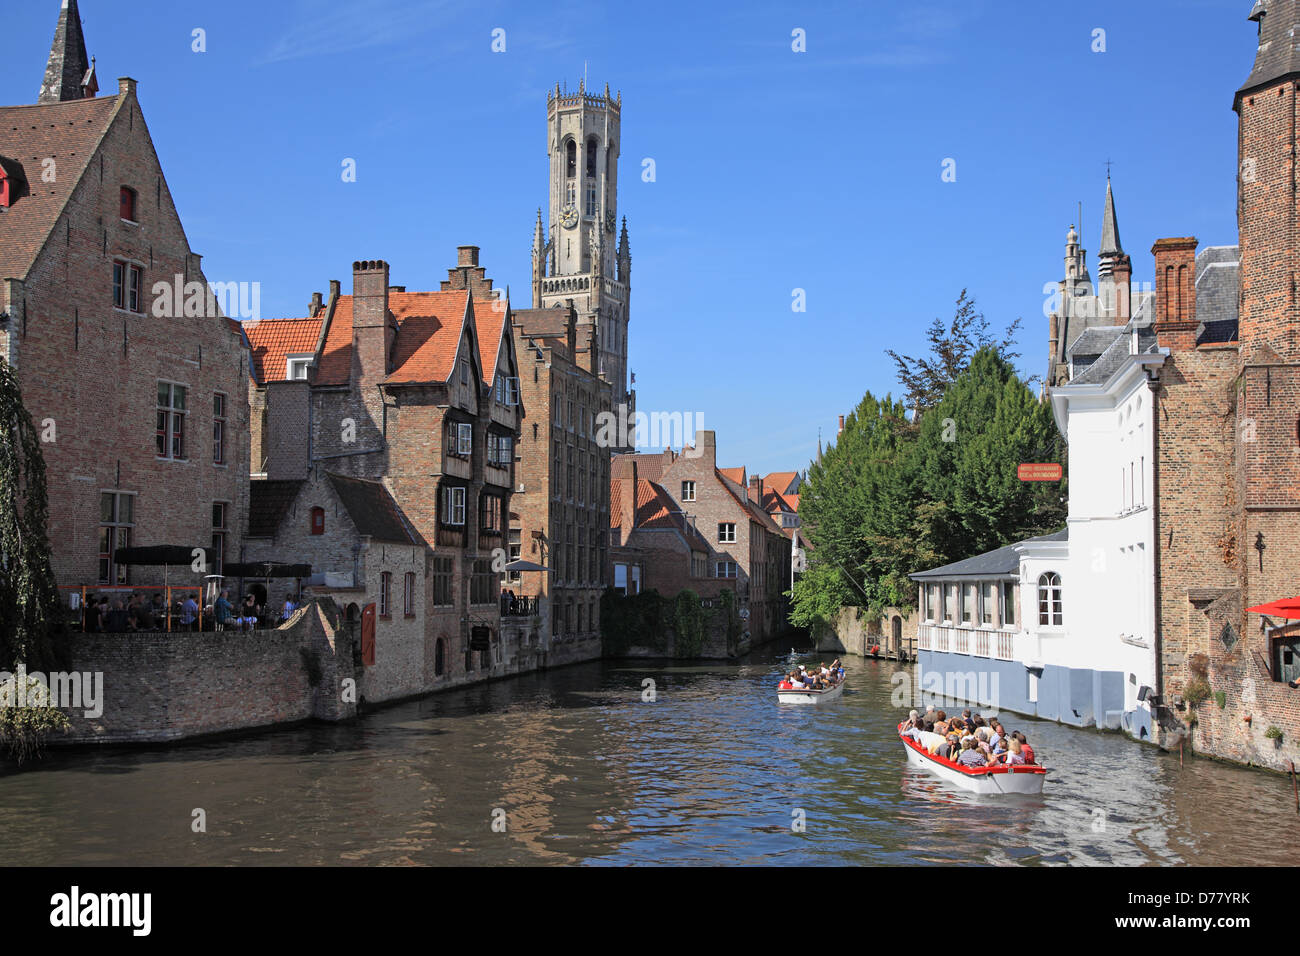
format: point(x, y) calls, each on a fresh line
point(591, 157)
point(570, 159)
point(1049, 600)
point(317, 520)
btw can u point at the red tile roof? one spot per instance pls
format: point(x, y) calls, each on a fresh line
point(655, 510)
point(274, 340)
point(649, 465)
point(429, 326)
point(734, 474)
point(67, 133)
point(739, 492)
point(779, 481)
point(490, 321)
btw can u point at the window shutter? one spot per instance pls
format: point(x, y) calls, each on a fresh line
point(368, 636)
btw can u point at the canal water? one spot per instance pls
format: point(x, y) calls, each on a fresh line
point(574, 767)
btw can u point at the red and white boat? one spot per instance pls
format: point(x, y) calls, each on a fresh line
point(802, 696)
point(1020, 778)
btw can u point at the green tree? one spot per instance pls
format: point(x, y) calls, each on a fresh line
point(30, 613)
point(926, 378)
point(968, 450)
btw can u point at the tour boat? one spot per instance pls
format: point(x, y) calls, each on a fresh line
point(810, 696)
point(1019, 778)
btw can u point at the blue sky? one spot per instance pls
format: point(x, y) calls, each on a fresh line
point(776, 170)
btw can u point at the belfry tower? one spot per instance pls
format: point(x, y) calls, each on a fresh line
point(581, 254)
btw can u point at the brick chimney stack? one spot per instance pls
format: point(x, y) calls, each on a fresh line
point(1176, 293)
point(841, 431)
point(756, 490)
point(372, 332)
point(1122, 277)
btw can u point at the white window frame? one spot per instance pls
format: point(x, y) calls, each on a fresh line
point(688, 491)
point(1053, 592)
point(453, 505)
point(726, 536)
point(172, 412)
point(293, 364)
point(721, 567)
point(464, 439)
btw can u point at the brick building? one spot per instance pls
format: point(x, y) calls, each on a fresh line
point(746, 545)
point(561, 506)
point(126, 360)
point(414, 393)
point(1228, 438)
point(655, 545)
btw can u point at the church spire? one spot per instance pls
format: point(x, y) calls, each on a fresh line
point(1111, 250)
point(68, 75)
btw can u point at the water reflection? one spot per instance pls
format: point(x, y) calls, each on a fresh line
point(712, 771)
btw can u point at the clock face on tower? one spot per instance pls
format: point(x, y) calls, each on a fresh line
point(609, 222)
point(569, 216)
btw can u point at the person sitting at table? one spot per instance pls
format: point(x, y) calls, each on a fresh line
point(286, 612)
point(223, 610)
point(94, 619)
point(144, 619)
point(189, 612)
point(117, 619)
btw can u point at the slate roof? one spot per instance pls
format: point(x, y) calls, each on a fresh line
point(68, 133)
point(68, 66)
point(274, 340)
point(1218, 289)
point(268, 503)
point(373, 510)
point(1115, 355)
point(1279, 52)
point(1002, 562)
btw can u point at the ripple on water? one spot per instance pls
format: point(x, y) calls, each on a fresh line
point(713, 771)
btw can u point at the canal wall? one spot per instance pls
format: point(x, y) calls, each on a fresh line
point(164, 687)
point(854, 631)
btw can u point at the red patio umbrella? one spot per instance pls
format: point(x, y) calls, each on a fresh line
point(1288, 608)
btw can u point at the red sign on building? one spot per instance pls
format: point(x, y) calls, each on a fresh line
point(1044, 472)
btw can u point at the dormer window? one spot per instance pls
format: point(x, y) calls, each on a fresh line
point(127, 204)
point(11, 180)
point(296, 367)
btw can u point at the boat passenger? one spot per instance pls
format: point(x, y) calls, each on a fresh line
point(786, 683)
point(1014, 756)
point(1026, 751)
point(970, 754)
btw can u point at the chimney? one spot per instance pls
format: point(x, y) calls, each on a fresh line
point(125, 86)
point(841, 431)
point(756, 490)
point(627, 504)
point(1122, 276)
point(1175, 323)
point(372, 334)
point(316, 302)
point(466, 256)
point(706, 446)
point(336, 288)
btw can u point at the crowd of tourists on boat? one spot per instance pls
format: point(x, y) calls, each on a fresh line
point(969, 741)
point(820, 677)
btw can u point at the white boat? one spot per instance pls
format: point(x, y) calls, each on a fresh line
point(1026, 778)
point(810, 696)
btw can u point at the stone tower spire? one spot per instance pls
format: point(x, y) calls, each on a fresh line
point(1110, 246)
point(624, 256)
point(68, 75)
